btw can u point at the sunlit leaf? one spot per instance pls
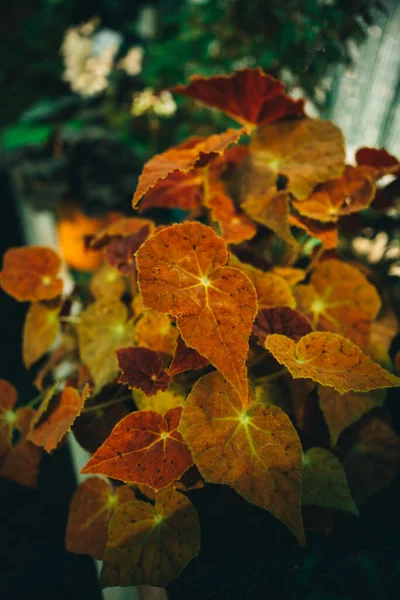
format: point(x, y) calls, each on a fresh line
point(352, 192)
point(90, 512)
point(280, 319)
point(151, 544)
point(142, 369)
point(183, 272)
point(250, 96)
point(144, 447)
point(41, 328)
point(272, 210)
point(185, 359)
point(31, 274)
point(104, 328)
point(183, 160)
point(331, 360)
point(341, 411)
point(339, 298)
point(161, 401)
point(255, 450)
point(156, 332)
point(55, 417)
point(107, 283)
point(325, 483)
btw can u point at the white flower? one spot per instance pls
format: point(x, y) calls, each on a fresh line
point(162, 104)
point(131, 63)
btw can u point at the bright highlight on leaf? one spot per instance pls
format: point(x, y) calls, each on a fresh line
point(250, 96)
point(142, 369)
point(214, 319)
point(30, 274)
point(41, 328)
point(90, 512)
point(331, 360)
point(324, 482)
point(255, 451)
point(144, 447)
point(151, 544)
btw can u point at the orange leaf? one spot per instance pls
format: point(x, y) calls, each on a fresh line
point(41, 328)
point(90, 512)
point(185, 359)
point(31, 274)
point(374, 460)
point(331, 360)
point(305, 151)
point(104, 328)
point(183, 272)
point(341, 411)
point(379, 160)
point(292, 275)
point(55, 417)
point(107, 284)
point(183, 160)
point(352, 192)
point(156, 332)
point(151, 544)
point(144, 447)
point(339, 298)
point(142, 369)
point(271, 209)
point(326, 232)
point(255, 450)
point(250, 96)
point(271, 289)
point(235, 226)
point(280, 319)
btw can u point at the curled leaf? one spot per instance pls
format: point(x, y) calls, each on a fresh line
point(255, 450)
point(280, 319)
point(31, 274)
point(183, 272)
point(151, 544)
point(142, 369)
point(144, 447)
point(331, 360)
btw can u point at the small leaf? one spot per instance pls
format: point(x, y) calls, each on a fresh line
point(90, 511)
point(142, 369)
point(30, 274)
point(144, 447)
point(41, 328)
point(255, 451)
point(331, 360)
point(379, 161)
point(107, 284)
point(280, 319)
point(185, 359)
point(151, 544)
point(161, 401)
point(235, 226)
point(325, 483)
point(156, 332)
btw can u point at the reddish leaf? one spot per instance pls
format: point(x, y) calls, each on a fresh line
point(280, 319)
point(151, 544)
point(121, 228)
point(183, 160)
point(31, 274)
point(183, 272)
point(55, 417)
point(250, 96)
point(120, 251)
point(185, 359)
point(90, 512)
point(331, 360)
point(142, 369)
point(145, 447)
point(379, 161)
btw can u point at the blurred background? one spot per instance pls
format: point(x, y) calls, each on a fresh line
point(85, 103)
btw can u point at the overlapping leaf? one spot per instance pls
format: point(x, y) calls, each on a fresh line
point(90, 512)
point(325, 483)
point(352, 192)
point(145, 447)
point(107, 283)
point(183, 160)
point(142, 369)
point(151, 544)
point(306, 152)
point(121, 228)
point(280, 319)
point(156, 332)
point(249, 96)
point(293, 275)
point(341, 411)
point(378, 161)
point(56, 416)
point(41, 328)
point(93, 427)
point(255, 450)
point(177, 190)
point(339, 298)
point(235, 226)
point(185, 359)
point(31, 274)
point(104, 328)
point(374, 460)
point(272, 210)
point(330, 360)
point(327, 233)
point(161, 402)
point(183, 272)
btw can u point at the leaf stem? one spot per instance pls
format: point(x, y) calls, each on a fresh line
point(96, 407)
point(315, 258)
point(35, 401)
point(272, 377)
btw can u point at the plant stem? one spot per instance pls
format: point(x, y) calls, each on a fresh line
point(35, 401)
point(272, 377)
point(315, 258)
point(96, 407)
